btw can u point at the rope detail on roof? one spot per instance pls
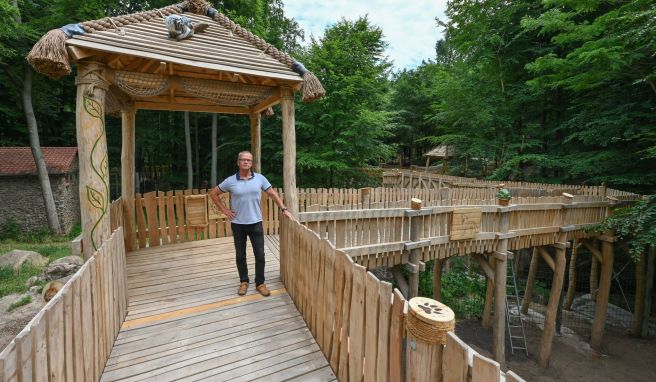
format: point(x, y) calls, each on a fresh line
point(224, 93)
point(141, 84)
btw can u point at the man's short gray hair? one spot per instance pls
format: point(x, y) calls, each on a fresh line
point(243, 152)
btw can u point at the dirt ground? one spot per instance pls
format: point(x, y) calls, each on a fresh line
point(623, 358)
point(12, 323)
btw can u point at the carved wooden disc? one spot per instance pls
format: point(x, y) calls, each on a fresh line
point(430, 311)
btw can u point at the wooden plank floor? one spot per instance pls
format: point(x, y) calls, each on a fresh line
point(186, 322)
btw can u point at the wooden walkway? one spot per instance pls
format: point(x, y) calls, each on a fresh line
point(186, 322)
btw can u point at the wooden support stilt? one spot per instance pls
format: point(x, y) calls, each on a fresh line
point(552, 307)
point(92, 152)
point(571, 288)
point(489, 299)
point(649, 288)
point(289, 149)
point(437, 279)
point(256, 144)
point(128, 119)
point(639, 305)
point(532, 274)
point(601, 307)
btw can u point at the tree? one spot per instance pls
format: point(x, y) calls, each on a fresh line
point(345, 130)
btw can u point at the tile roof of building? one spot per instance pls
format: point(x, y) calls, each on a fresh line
point(19, 160)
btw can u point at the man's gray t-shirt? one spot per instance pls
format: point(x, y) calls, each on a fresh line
point(246, 196)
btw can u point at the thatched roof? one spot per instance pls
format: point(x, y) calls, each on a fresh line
point(441, 151)
point(140, 43)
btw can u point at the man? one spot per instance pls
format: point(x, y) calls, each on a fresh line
point(245, 213)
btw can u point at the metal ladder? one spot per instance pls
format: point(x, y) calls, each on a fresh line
point(513, 312)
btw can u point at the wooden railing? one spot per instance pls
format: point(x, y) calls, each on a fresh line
point(160, 218)
point(425, 180)
point(358, 320)
point(71, 338)
point(380, 237)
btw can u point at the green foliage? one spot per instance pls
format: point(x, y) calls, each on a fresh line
point(462, 290)
point(636, 224)
point(504, 194)
point(346, 129)
point(15, 282)
point(22, 301)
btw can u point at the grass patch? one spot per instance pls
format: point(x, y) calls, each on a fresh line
point(51, 246)
point(23, 301)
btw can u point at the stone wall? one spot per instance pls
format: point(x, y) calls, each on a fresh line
point(21, 200)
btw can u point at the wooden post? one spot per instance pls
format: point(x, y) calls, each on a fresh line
point(500, 271)
point(601, 306)
point(437, 279)
point(415, 235)
point(128, 119)
point(289, 149)
point(489, 297)
point(256, 143)
point(649, 282)
point(92, 151)
point(365, 194)
point(571, 289)
point(552, 306)
point(427, 325)
point(639, 304)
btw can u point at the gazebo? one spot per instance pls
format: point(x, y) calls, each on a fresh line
point(127, 63)
point(439, 152)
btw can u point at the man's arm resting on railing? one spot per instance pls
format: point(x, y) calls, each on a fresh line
point(276, 199)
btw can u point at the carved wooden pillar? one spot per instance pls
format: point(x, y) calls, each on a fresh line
point(92, 151)
point(256, 143)
point(289, 149)
point(128, 116)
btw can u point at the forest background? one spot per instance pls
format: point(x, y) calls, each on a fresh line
point(560, 91)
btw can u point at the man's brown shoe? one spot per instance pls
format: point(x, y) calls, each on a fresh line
point(264, 291)
point(243, 287)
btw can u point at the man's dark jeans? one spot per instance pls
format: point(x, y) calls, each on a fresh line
point(256, 234)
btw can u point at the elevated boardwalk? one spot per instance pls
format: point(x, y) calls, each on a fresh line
point(186, 322)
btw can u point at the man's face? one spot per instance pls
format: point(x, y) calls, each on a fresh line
point(245, 162)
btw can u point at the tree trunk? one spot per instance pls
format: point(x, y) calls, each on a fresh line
point(214, 133)
point(190, 167)
point(41, 170)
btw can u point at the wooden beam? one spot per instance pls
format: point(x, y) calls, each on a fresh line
point(483, 263)
point(416, 229)
point(256, 145)
point(289, 150)
point(500, 273)
point(142, 105)
point(437, 279)
point(75, 54)
point(273, 99)
point(595, 252)
point(532, 274)
point(547, 258)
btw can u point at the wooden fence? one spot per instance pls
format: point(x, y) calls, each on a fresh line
point(161, 218)
point(431, 181)
point(71, 338)
point(379, 237)
point(358, 320)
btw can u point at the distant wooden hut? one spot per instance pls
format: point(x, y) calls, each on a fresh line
point(440, 152)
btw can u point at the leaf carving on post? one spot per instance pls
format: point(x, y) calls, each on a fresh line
point(93, 107)
point(95, 198)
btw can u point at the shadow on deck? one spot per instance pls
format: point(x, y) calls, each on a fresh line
point(185, 320)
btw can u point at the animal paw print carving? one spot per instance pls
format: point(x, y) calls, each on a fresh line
point(430, 308)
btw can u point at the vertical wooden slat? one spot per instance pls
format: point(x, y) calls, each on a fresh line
point(56, 349)
point(38, 330)
point(141, 220)
point(179, 209)
point(9, 362)
point(329, 290)
point(485, 369)
point(163, 221)
point(396, 337)
point(343, 369)
point(86, 322)
point(455, 367)
point(371, 328)
point(78, 350)
point(384, 322)
point(356, 324)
